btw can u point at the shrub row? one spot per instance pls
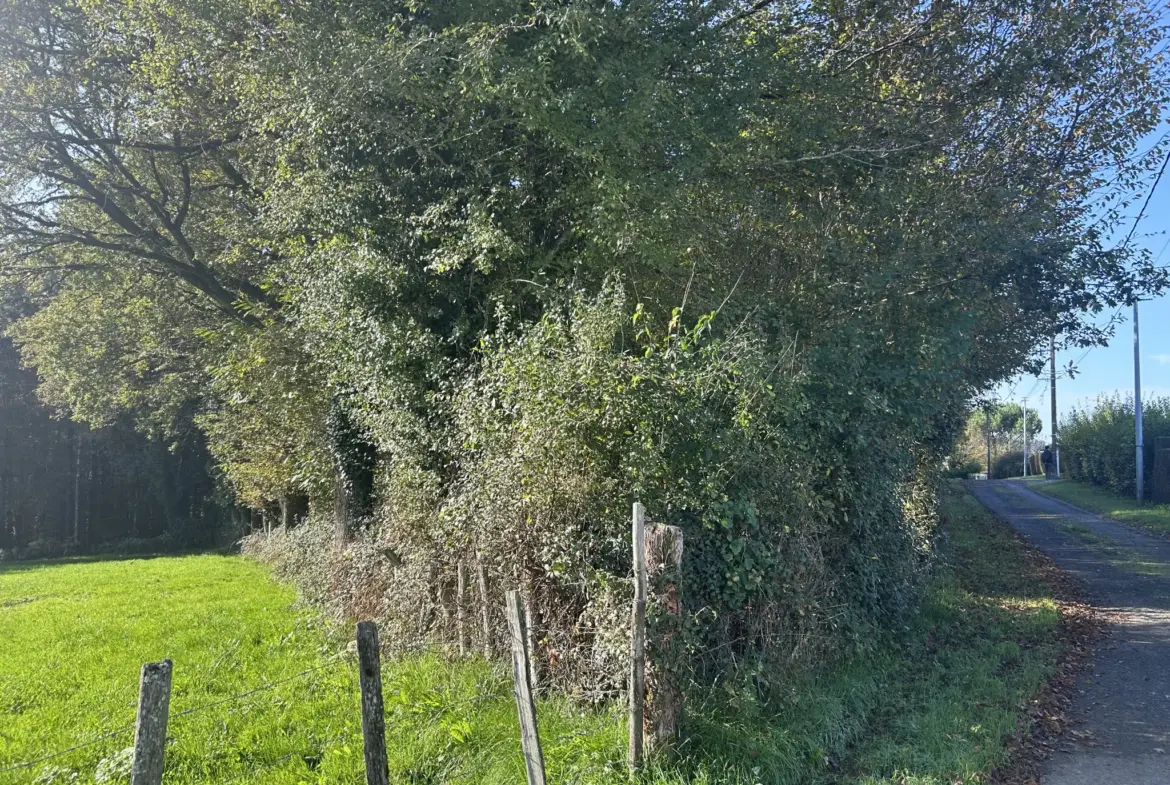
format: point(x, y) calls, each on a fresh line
point(1098, 445)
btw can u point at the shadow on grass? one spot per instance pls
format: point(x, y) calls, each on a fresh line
point(9, 567)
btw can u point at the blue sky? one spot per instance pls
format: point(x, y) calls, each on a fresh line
point(1109, 369)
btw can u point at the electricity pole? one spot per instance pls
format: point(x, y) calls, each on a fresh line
point(1025, 437)
point(1052, 387)
point(1137, 399)
point(988, 440)
point(1137, 360)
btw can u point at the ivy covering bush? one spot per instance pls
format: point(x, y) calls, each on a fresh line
point(791, 552)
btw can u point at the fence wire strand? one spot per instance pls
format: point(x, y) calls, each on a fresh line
point(270, 686)
point(61, 753)
point(333, 660)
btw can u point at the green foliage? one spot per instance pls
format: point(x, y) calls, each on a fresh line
point(931, 705)
point(266, 417)
point(1008, 464)
point(834, 227)
point(1098, 445)
point(1001, 425)
point(963, 471)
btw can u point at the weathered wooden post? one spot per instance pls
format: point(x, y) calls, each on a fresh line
point(522, 687)
point(461, 607)
point(373, 716)
point(150, 730)
point(664, 698)
point(638, 641)
point(485, 609)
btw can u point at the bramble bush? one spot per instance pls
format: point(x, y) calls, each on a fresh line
point(790, 552)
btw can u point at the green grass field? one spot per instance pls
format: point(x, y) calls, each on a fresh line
point(1152, 517)
point(932, 707)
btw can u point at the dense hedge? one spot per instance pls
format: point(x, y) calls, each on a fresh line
point(800, 541)
point(1098, 445)
point(1010, 464)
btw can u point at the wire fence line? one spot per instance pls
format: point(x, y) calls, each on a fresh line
point(61, 753)
point(321, 747)
point(115, 732)
point(153, 714)
point(445, 694)
point(266, 688)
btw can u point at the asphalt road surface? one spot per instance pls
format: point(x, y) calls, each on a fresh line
point(1122, 707)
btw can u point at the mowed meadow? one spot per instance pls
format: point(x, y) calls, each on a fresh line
point(266, 692)
point(262, 691)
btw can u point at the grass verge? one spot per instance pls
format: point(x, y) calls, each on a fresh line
point(1151, 517)
point(933, 704)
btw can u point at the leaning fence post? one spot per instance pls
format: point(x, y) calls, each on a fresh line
point(373, 718)
point(638, 642)
point(522, 686)
point(150, 731)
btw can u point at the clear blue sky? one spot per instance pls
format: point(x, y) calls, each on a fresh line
point(1109, 369)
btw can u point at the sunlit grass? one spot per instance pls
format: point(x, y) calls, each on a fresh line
point(1153, 517)
point(931, 705)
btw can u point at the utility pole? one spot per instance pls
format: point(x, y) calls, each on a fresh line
point(987, 438)
point(1025, 437)
point(1137, 401)
point(1052, 387)
point(1137, 360)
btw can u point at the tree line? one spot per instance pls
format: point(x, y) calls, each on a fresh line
point(66, 488)
point(459, 280)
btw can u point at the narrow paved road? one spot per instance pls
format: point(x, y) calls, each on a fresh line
point(1123, 698)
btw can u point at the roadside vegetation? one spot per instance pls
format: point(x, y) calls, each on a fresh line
point(932, 704)
point(1152, 517)
point(421, 296)
point(1098, 448)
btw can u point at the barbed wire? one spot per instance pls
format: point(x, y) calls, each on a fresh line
point(267, 687)
point(106, 735)
point(61, 753)
point(320, 749)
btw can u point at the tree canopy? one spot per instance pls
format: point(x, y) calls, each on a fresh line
point(472, 274)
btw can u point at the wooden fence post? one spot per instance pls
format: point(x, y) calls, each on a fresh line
point(522, 686)
point(461, 606)
point(638, 641)
point(373, 717)
point(150, 731)
point(485, 609)
point(664, 697)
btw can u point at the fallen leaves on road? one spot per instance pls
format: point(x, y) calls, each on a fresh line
point(1048, 724)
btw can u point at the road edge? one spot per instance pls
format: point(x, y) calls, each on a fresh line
point(1082, 628)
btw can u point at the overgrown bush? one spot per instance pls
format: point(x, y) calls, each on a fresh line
point(798, 543)
point(1010, 464)
point(1098, 445)
point(963, 470)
